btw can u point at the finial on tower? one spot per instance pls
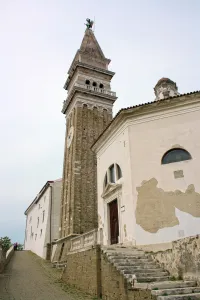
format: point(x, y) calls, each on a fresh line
point(89, 23)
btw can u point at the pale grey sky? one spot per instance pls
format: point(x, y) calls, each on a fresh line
point(146, 40)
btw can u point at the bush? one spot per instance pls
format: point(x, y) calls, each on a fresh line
point(5, 242)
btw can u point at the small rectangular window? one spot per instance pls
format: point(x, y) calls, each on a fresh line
point(38, 220)
point(40, 232)
point(35, 236)
point(43, 214)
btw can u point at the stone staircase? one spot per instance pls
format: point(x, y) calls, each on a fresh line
point(142, 273)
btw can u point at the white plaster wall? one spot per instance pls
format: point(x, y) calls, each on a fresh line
point(116, 150)
point(149, 140)
point(38, 245)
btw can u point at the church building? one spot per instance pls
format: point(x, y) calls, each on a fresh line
point(134, 177)
point(148, 166)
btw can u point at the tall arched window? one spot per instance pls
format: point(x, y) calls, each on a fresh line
point(175, 155)
point(113, 174)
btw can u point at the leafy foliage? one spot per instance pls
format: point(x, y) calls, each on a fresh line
point(5, 242)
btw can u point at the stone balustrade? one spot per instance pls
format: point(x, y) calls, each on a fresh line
point(95, 89)
point(86, 240)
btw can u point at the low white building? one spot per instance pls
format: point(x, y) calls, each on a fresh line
point(148, 169)
point(43, 219)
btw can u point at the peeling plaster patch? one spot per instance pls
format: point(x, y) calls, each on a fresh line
point(156, 208)
point(125, 232)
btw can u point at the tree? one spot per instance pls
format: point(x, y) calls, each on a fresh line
point(5, 243)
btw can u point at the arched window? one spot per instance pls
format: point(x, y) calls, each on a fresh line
point(175, 155)
point(101, 86)
point(87, 82)
point(119, 172)
point(113, 174)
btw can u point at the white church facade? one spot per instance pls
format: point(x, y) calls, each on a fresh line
point(148, 170)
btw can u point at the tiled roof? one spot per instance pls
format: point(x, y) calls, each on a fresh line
point(138, 105)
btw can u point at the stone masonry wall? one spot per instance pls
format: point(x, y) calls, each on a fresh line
point(91, 272)
point(183, 260)
point(83, 271)
point(79, 194)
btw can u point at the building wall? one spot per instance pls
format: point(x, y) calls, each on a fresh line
point(37, 241)
point(158, 203)
point(79, 201)
point(34, 240)
point(166, 204)
point(116, 151)
point(182, 260)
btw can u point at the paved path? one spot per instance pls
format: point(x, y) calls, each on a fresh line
point(28, 277)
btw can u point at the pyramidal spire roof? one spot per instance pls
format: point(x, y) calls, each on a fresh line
point(90, 45)
point(90, 53)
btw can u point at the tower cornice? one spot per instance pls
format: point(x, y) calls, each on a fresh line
point(96, 92)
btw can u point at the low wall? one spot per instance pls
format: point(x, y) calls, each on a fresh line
point(183, 260)
point(92, 273)
point(4, 259)
point(83, 271)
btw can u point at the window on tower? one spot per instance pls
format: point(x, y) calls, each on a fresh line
point(101, 86)
point(94, 83)
point(87, 82)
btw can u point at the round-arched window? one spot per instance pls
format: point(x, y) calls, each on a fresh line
point(94, 83)
point(175, 155)
point(87, 82)
point(101, 86)
point(113, 174)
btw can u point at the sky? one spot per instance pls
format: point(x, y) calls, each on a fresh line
point(145, 40)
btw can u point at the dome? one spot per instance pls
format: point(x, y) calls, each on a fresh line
point(165, 88)
point(165, 80)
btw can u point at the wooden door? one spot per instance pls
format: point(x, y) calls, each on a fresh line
point(114, 223)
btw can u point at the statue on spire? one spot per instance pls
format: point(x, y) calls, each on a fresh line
point(89, 23)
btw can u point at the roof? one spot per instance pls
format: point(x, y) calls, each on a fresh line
point(139, 105)
point(41, 192)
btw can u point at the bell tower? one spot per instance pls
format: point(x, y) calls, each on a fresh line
point(88, 110)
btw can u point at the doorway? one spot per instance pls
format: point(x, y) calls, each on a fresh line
point(114, 222)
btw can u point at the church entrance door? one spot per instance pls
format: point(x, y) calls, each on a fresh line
point(114, 222)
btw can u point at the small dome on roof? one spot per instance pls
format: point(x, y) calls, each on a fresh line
point(165, 88)
point(165, 80)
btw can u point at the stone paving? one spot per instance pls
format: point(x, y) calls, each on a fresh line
point(28, 277)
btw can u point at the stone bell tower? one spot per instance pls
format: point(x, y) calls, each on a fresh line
point(88, 110)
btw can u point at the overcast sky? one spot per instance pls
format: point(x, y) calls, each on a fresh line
point(145, 39)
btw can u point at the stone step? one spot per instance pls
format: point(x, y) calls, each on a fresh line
point(179, 297)
point(171, 284)
point(146, 274)
point(131, 260)
point(137, 264)
point(147, 278)
point(176, 291)
point(140, 269)
point(128, 256)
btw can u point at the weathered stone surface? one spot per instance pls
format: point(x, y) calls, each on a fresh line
point(83, 271)
point(183, 260)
